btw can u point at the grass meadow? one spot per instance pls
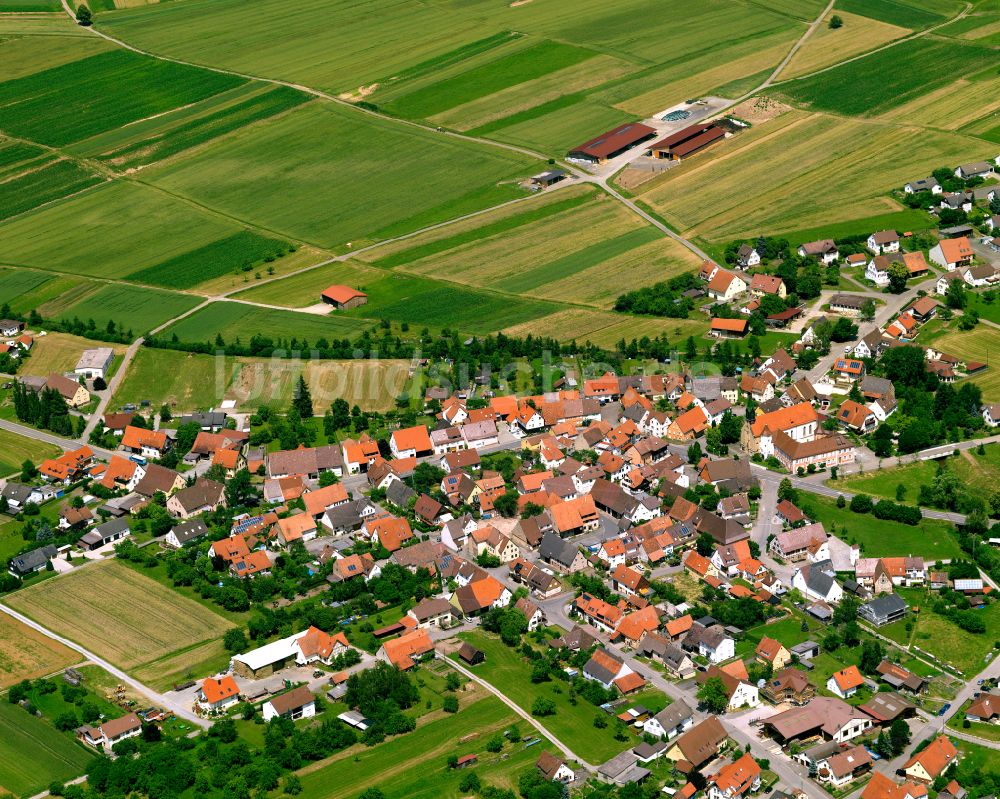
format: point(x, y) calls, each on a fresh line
point(879, 538)
point(33, 753)
point(283, 175)
point(183, 380)
point(233, 320)
point(414, 766)
point(26, 654)
point(110, 231)
point(16, 449)
point(979, 474)
point(507, 670)
point(118, 614)
point(978, 344)
point(59, 352)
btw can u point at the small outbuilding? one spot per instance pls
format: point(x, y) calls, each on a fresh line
point(344, 297)
point(471, 655)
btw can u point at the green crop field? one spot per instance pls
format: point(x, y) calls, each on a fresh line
point(34, 188)
point(8, 6)
point(16, 283)
point(418, 300)
point(16, 449)
point(110, 231)
point(523, 65)
point(236, 253)
point(232, 320)
point(933, 539)
point(284, 175)
point(890, 77)
point(909, 14)
point(14, 152)
point(104, 91)
point(33, 753)
point(129, 307)
point(163, 142)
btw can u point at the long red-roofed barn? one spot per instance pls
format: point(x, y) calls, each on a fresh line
point(344, 297)
point(614, 142)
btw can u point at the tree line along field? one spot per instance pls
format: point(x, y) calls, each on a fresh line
point(979, 475)
point(189, 381)
point(808, 170)
point(26, 654)
point(118, 614)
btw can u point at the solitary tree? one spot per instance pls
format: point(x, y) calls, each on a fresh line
point(898, 275)
point(83, 15)
point(712, 694)
point(836, 22)
point(303, 399)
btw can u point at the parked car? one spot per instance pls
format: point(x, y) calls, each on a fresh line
point(944, 708)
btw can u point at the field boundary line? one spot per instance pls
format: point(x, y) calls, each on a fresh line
point(108, 667)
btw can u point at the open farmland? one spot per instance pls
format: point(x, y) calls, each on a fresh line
point(808, 170)
point(167, 135)
point(489, 68)
point(233, 319)
point(33, 753)
point(109, 231)
point(26, 654)
point(891, 77)
point(129, 307)
point(564, 256)
point(69, 102)
point(284, 176)
point(59, 352)
point(62, 42)
point(16, 449)
point(907, 13)
point(118, 614)
point(831, 45)
point(422, 301)
point(968, 105)
point(233, 254)
point(36, 187)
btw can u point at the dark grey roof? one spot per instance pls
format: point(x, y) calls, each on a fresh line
point(210, 419)
point(346, 516)
point(32, 561)
point(674, 714)
point(399, 493)
point(819, 581)
point(598, 671)
point(188, 531)
point(16, 493)
point(552, 547)
point(885, 605)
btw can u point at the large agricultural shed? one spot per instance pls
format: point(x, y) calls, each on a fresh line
point(613, 142)
point(687, 141)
